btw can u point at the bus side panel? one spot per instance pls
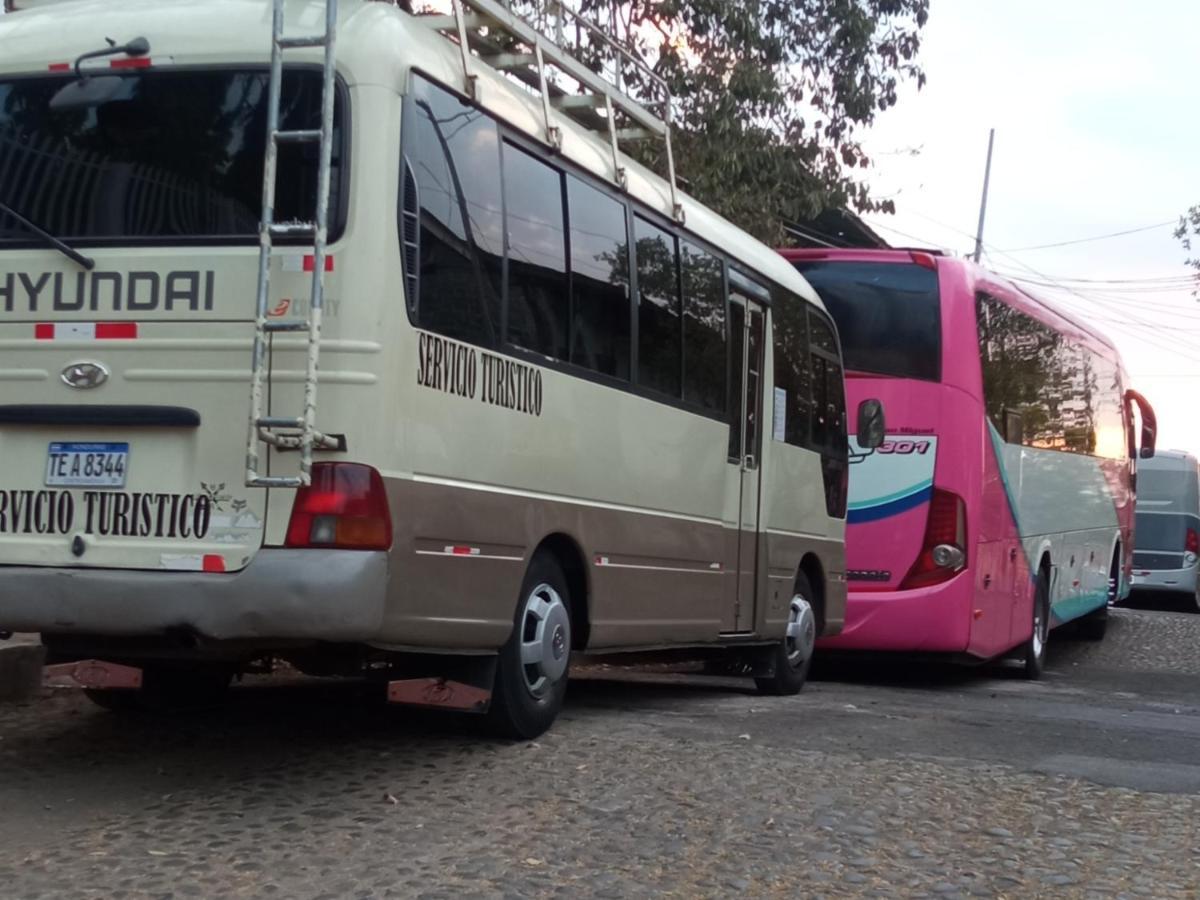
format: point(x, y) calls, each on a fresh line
point(460, 554)
point(797, 524)
point(1063, 508)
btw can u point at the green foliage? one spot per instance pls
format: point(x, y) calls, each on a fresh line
point(1189, 229)
point(772, 96)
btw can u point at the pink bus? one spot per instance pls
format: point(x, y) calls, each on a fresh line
point(1001, 504)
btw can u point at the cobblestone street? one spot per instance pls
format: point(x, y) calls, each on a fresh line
point(901, 781)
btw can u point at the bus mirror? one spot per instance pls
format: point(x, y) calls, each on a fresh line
point(86, 93)
point(871, 427)
point(1149, 423)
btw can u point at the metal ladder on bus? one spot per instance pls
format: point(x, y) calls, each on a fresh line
point(291, 432)
point(488, 32)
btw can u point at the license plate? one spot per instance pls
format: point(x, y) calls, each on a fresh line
point(87, 465)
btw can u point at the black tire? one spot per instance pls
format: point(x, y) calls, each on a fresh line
point(168, 688)
point(792, 657)
point(527, 697)
point(1094, 625)
point(1035, 647)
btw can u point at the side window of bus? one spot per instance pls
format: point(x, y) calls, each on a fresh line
point(704, 352)
point(660, 326)
point(453, 202)
point(793, 374)
point(600, 311)
point(1044, 390)
point(538, 308)
point(829, 393)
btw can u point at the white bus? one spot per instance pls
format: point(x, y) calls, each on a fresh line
point(1166, 550)
point(561, 406)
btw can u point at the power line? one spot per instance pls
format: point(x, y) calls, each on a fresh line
point(1177, 345)
point(1088, 240)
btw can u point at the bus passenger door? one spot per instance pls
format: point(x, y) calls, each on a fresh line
point(746, 336)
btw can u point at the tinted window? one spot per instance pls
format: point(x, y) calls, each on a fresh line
point(793, 376)
point(660, 332)
point(1046, 391)
point(600, 317)
point(887, 315)
point(454, 151)
point(176, 155)
point(704, 351)
point(1159, 531)
point(538, 309)
point(829, 413)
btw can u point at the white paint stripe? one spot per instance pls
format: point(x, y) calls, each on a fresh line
point(445, 555)
point(558, 498)
point(612, 565)
point(181, 563)
point(75, 331)
point(801, 534)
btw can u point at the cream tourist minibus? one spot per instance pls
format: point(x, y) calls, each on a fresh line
point(352, 338)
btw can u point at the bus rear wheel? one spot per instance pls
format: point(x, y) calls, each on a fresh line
point(531, 672)
point(1094, 625)
point(1035, 647)
point(792, 657)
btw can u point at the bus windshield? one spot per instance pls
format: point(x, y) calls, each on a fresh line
point(887, 314)
point(176, 155)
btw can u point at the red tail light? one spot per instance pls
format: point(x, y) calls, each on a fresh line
point(944, 550)
point(345, 507)
point(1192, 544)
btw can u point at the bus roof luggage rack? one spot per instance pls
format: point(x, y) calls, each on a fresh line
point(490, 33)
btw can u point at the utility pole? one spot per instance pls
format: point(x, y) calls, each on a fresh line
point(987, 174)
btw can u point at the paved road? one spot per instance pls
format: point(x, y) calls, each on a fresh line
point(900, 781)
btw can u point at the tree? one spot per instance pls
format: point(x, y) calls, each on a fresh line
point(1189, 228)
point(772, 96)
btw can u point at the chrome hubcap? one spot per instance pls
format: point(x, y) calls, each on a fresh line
point(545, 640)
point(801, 632)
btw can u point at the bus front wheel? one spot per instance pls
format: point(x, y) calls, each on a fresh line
point(531, 672)
point(792, 657)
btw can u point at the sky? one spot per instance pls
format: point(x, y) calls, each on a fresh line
point(1094, 105)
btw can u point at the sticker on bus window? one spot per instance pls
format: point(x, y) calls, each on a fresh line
point(780, 414)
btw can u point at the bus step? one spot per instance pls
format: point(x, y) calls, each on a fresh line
point(300, 325)
point(292, 229)
point(298, 136)
point(295, 43)
point(279, 422)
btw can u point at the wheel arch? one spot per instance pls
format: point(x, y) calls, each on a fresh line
point(569, 555)
point(812, 569)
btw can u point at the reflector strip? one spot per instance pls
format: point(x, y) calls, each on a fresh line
point(131, 62)
point(59, 67)
point(462, 551)
point(213, 563)
point(310, 263)
point(85, 331)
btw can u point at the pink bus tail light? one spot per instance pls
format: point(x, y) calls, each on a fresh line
point(944, 549)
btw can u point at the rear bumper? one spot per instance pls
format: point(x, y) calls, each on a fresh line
point(1182, 581)
point(928, 620)
point(283, 594)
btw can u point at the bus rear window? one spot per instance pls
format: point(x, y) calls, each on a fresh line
point(1161, 531)
point(176, 156)
point(887, 315)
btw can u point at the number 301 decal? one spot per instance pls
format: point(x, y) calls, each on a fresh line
point(904, 448)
